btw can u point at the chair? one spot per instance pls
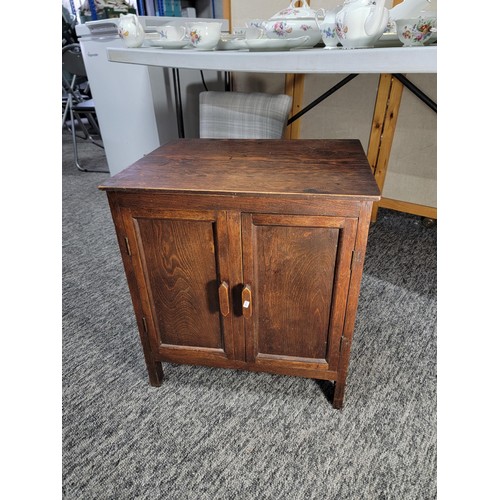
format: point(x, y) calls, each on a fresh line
point(78, 105)
point(239, 115)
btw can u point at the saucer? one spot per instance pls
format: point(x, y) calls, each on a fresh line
point(275, 43)
point(231, 43)
point(169, 44)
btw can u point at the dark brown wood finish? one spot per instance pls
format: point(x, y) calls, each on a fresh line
point(182, 262)
point(246, 254)
point(181, 269)
point(154, 367)
point(291, 263)
point(358, 259)
point(337, 168)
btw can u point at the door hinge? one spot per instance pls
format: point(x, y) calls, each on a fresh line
point(343, 341)
point(356, 257)
point(127, 244)
point(145, 324)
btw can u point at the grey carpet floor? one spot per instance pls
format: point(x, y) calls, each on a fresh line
point(220, 434)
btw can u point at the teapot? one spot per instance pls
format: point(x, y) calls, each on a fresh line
point(131, 30)
point(360, 23)
point(294, 22)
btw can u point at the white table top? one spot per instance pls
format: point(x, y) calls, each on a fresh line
point(375, 60)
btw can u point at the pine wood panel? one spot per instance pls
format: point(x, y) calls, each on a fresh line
point(385, 117)
point(384, 88)
point(294, 87)
point(409, 208)
point(389, 129)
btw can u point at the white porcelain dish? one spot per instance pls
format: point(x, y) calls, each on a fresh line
point(275, 44)
point(294, 22)
point(391, 39)
point(231, 43)
point(169, 44)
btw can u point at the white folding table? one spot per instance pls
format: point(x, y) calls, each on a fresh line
point(390, 62)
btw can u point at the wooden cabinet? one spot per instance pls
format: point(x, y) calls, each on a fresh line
point(246, 254)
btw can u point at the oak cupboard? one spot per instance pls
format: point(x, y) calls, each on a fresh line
point(246, 254)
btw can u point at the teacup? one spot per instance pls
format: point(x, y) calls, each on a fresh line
point(239, 31)
point(256, 23)
point(170, 32)
point(204, 35)
point(254, 33)
point(248, 32)
point(416, 31)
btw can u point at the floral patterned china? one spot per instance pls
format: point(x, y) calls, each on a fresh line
point(328, 27)
point(231, 42)
point(415, 32)
point(294, 22)
point(130, 30)
point(172, 33)
point(360, 23)
point(204, 35)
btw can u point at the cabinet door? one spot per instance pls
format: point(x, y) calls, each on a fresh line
point(296, 274)
point(180, 263)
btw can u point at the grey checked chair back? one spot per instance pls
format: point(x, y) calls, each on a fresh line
point(239, 115)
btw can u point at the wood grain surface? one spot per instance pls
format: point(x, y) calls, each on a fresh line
point(182, 274)
point(294, 272)
point(246, 254)
point(328, 167)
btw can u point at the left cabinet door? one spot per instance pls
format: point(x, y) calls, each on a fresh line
point(180, 262)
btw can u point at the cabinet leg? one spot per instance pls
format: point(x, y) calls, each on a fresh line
point(155, 372)
point(338, 395)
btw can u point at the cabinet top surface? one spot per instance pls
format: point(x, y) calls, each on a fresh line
point(308, 167)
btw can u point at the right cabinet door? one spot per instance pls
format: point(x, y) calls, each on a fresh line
point(296, 274)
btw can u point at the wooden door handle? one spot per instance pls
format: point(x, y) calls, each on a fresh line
point(224, 298)
point(246, 301)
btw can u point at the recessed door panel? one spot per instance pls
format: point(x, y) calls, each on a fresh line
point(182, 264)
point(291, 265)
point(294, 270)
point(179, 260)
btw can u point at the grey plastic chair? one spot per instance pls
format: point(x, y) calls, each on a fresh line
point(240, 115)
point(78, 108)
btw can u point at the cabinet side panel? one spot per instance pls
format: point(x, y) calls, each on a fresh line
point(154, 367)
point(179, 260)
point(294, 269)
point(352, 302)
